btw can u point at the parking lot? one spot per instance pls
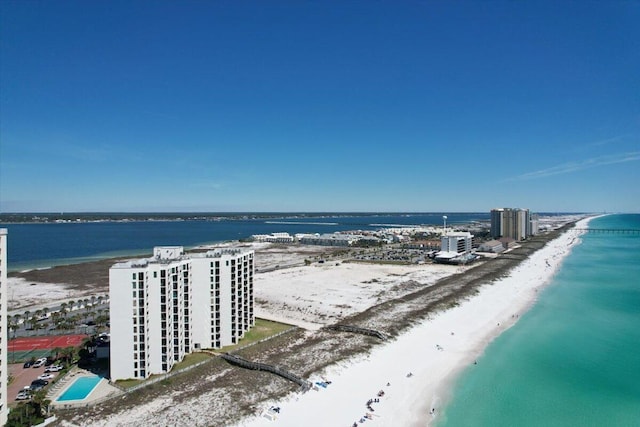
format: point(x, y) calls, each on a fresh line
point(22, 377)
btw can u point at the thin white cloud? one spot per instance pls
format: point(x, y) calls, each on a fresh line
point(607, 141)
point(570, 167)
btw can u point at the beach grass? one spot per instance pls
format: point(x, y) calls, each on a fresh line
point(261, 330)
point(126, 384)
point(191, 359)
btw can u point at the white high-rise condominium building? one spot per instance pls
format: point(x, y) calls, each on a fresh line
point(223, 297)
point(164, 307)
point(4, 410)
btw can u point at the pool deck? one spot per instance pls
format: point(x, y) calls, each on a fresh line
point(100, 391)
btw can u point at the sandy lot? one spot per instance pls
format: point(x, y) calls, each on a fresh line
point(322, 294)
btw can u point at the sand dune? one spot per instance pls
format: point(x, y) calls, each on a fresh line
point(433, 352)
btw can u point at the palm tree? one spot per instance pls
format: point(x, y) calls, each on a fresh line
point(40, 403)
point(55, 317)
point(101, 321)
point(34, 321)
point(68, 353)
point(29, 412)
point(88, 345)
point(63, 308)
point(13, 323)
point(56, 352)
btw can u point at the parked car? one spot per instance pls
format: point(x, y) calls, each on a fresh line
point(40, 382)
point(53, 368)
point(23, 395)
point(40, 362)
point(45, 376)
point(28, 364)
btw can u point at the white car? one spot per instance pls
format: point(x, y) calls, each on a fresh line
point(53, 368)
point(40, 362)
point(45, 376)
point(23, 395)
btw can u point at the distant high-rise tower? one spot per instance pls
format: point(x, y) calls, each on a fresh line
point(534, 224)
point(4, 410)
point(513, 223)
point(497, 223)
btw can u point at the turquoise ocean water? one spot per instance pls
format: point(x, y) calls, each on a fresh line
point(574, 358)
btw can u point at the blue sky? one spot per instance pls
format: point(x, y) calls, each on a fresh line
point(319, 106)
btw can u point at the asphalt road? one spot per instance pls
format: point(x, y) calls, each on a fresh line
point(22, 377)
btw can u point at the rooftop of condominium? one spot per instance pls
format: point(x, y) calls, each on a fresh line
point(173, 254)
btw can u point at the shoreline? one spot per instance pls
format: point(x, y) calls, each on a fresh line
point(450, 341)
point(21, 267)
point(29, 266)
point(387, 298)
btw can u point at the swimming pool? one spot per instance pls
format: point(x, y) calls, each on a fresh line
point(80, 388)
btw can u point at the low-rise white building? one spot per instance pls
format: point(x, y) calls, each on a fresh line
point(164, 307)
point(273, 238)
point(457, 241)
point(455, 246)
point(494, 246)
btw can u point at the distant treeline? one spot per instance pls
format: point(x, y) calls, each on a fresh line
point(168, 216)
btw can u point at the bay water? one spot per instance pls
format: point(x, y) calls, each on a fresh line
point(41, 245)
point(574, 358)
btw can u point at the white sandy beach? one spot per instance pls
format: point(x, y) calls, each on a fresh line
point(434, 352)
point(29, 295)
point(312, 296)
